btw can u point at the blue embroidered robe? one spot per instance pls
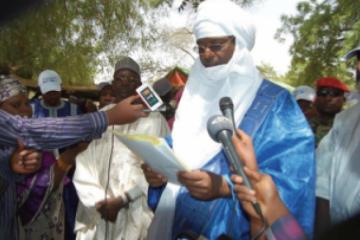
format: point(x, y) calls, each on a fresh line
point(284, 146)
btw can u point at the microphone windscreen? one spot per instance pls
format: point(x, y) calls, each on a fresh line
point(225, 103)
point(217, 124)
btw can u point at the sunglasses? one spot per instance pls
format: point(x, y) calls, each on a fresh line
point(216, 47)
point(329, 92)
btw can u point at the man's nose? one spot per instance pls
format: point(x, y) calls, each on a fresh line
point(207, 55)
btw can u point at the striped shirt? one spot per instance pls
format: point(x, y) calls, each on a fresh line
point(287, 228)
point(50, 133)
point(42, 133)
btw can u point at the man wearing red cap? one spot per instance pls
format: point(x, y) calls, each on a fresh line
point(328, 102)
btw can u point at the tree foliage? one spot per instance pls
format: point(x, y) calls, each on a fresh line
point(68, 36)
point(323, 32)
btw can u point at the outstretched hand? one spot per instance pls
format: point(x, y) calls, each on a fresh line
point(126, 111)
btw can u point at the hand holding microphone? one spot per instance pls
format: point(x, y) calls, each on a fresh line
point(259, 198)
point(264, 190)
point(220, 130)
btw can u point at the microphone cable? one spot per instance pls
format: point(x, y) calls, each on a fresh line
point(108, 183)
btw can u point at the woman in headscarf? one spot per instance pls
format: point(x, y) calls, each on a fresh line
point(39, 195)
point(205, 205)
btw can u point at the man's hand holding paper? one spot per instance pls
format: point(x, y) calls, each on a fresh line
point(204, 185)
point(153, 178)
point(162, 164)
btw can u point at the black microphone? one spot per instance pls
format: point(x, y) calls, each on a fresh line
point(220, 130)
point(227, 108)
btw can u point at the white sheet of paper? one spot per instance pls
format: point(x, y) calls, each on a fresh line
point(156, 153)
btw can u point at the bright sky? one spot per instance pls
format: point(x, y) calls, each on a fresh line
point(267, 14)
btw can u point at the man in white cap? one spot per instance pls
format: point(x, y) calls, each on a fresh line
point(284, 144)
point(305, 96)
point(52, 105)
point(108, 178)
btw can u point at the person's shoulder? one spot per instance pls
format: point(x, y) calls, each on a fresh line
point(348, 117)
point(285, 111)
point(354, 110)
point(271, 89)
point(154, 119)
point(278, 97)
point(155, 116)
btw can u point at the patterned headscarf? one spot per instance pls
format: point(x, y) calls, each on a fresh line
point(10, 87)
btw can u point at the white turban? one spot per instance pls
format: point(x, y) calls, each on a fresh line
point(224, 18)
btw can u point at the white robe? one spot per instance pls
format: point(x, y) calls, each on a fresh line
point(90, 180)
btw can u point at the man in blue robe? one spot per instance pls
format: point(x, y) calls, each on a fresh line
point(204, 205)
point(51, 104)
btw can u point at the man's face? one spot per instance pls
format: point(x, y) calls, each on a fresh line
point(305, 105)
point(52, 98)
point(125, 83)
point(329, 101)
point(106, 96)
point(215, 50)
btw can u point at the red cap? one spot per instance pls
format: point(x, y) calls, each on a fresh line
point(331, 82)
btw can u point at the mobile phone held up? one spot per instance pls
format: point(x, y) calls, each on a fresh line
point(149, 97)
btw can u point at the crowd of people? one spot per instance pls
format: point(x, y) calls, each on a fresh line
point(64, 175)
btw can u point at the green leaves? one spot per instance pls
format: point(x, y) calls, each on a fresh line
point(68, 36)
point(323, 32)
